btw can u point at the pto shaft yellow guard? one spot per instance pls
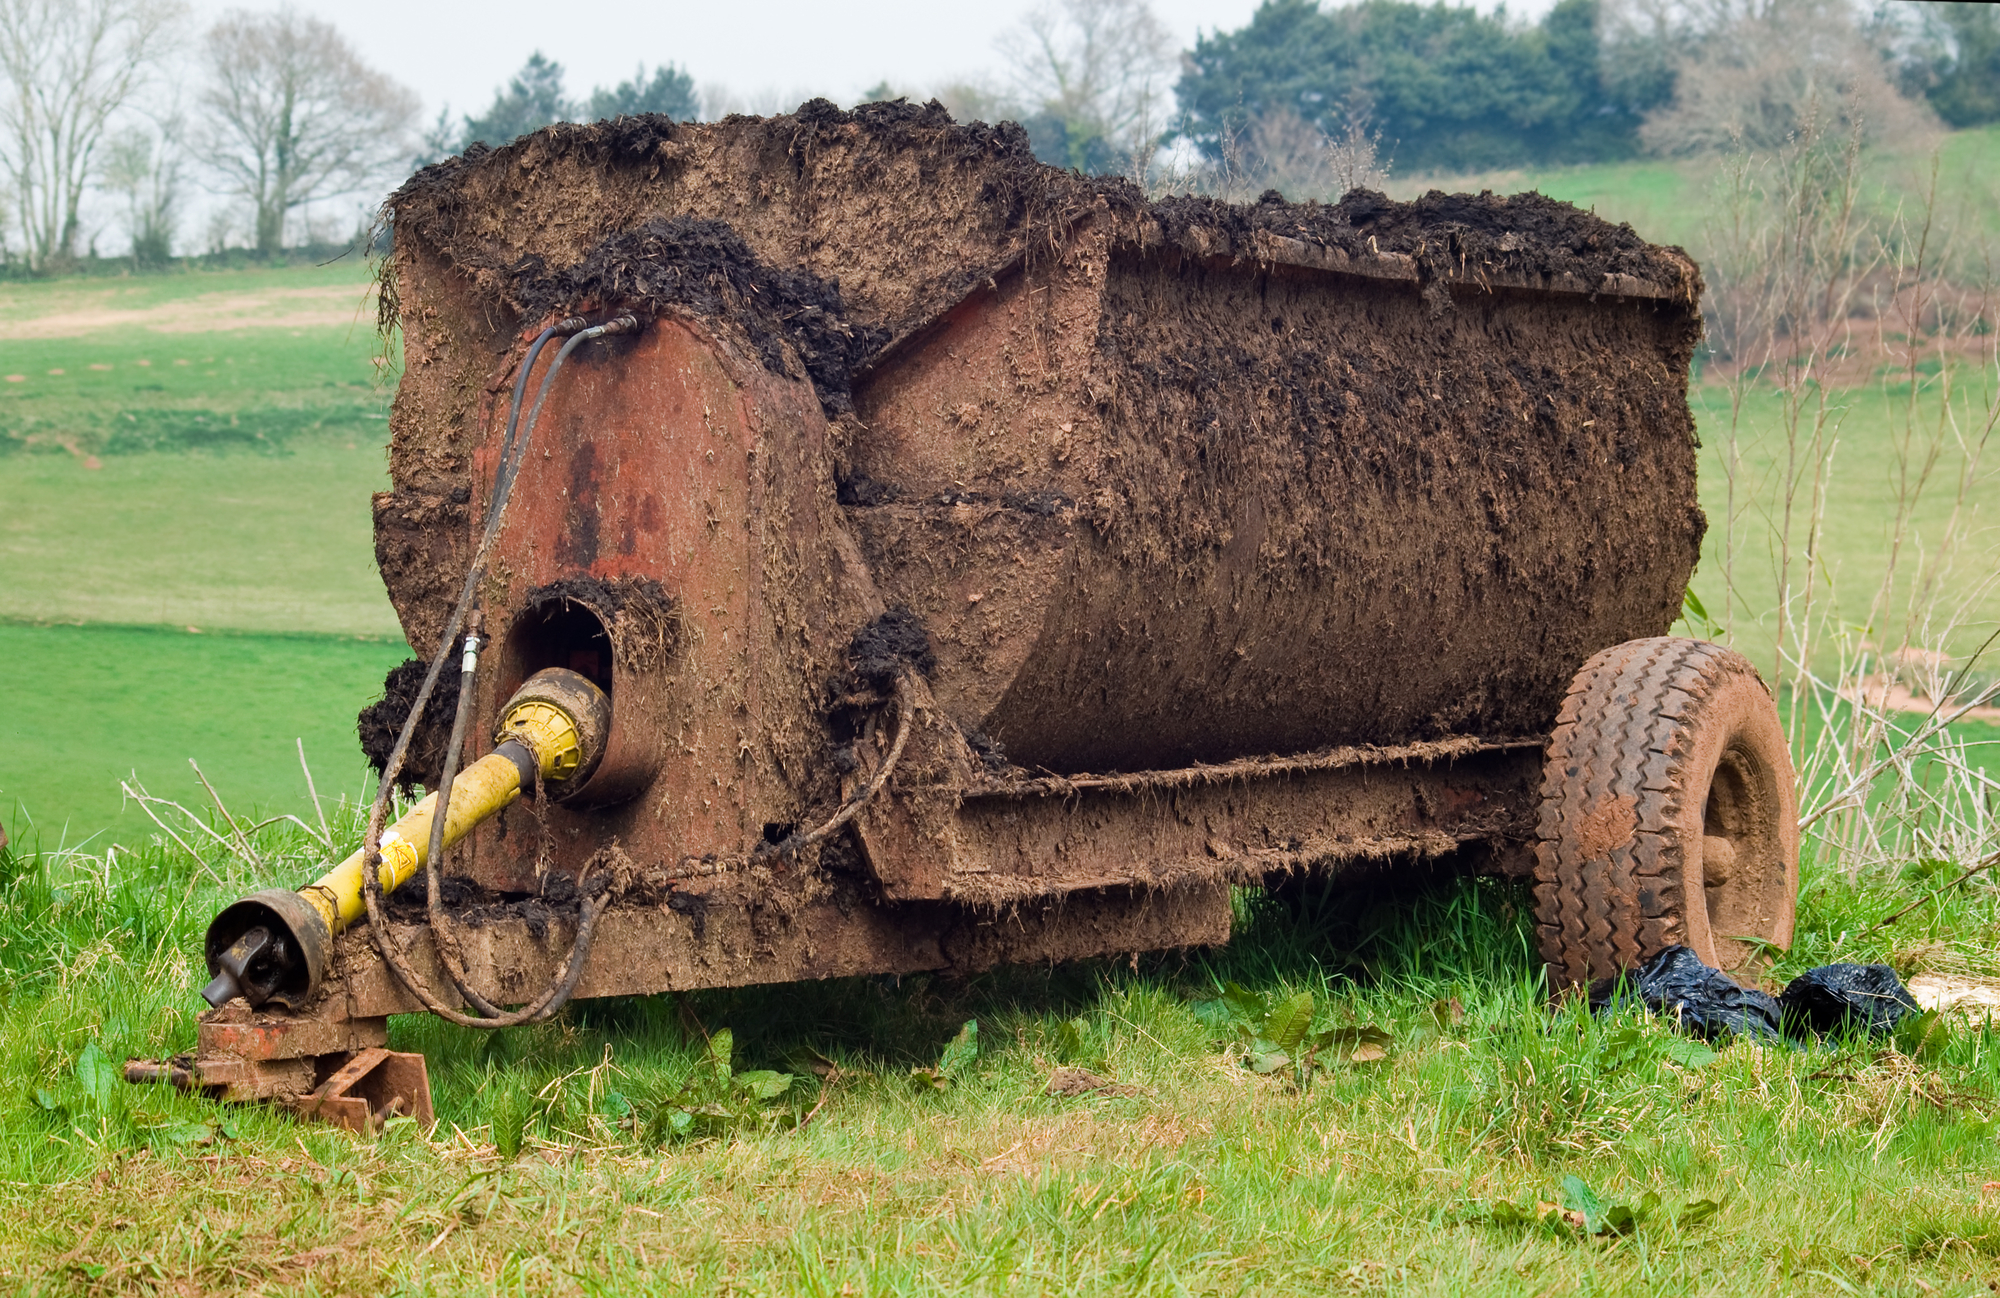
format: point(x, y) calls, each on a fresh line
point(274, 945)
point(482, 790)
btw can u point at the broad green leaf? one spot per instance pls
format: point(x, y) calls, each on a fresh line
point(97, 1074)
point(191, 1133)
point(1268, 1062)
point(1071, 1034)
point(929, 1079)
point(1690, 1054)
point(1697, 1212)
point(1243, 1003)
point(1505, 1213)
point(763, 1084)
point(1578, 1197)
point(962, 1052)
point(1923, 1037)
point(46, 1098)
point(617, 1105)
point(1287, 1024)
point(721, 1047)
point(1362, 1045)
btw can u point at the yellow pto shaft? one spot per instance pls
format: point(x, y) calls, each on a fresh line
point(274, 945)
point(482, 790)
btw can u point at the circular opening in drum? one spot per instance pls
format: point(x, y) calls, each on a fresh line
point(560, 633)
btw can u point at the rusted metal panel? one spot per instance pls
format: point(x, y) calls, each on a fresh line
point(669, 462)
point(728, 939)
point(1008, 840)
point(370, 1088)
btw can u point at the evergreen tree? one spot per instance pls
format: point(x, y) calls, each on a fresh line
point(531, 100)
point(670, 92)
point(1448, 86)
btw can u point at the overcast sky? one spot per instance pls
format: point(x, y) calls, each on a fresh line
point(457, 54)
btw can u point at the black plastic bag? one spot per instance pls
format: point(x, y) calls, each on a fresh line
point(1702, 1000)
point(1846, 997)
point(1709, 1003)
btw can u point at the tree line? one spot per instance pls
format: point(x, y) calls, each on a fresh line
point(283, 113)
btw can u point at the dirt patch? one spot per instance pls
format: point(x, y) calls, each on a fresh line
point(1070, 1083)
point(330, 306)
point(1974, 998)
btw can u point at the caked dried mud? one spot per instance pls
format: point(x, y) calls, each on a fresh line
point(1161, 482)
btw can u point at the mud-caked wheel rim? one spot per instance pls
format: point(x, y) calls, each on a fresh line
point(1668, 815)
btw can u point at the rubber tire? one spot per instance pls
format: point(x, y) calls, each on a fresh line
point(1662, 747)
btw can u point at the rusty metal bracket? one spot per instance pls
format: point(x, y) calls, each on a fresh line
point(334, 1069)
point(370, 1088)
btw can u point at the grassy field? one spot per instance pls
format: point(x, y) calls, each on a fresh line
point(142, 701)
point(1856, 531)
point(1855, 1167)
point(1669, 202)
point(246, 541)
point(617, 1150)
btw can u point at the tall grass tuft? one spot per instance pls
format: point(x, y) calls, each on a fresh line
point(1821, 300)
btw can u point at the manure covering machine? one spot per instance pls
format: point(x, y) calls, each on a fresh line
point(847, 546)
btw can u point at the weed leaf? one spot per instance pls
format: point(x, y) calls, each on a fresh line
point(1286, 1026)
point(763, 1084)
point(1697, 1212)
point(962, 1051)
point(1267, 1061)
point(1578, 1197)
point(721, 1047)
point(1922, 1037)
point(97, 1074)
point(1690, 1054)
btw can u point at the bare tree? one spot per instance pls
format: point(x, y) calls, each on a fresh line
point(70, 67)
point(1100, 69)
point(1758, 68)
point(293, 115)
point(145, 165)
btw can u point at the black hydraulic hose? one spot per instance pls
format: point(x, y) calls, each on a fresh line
point(513, 452)
point(447, 942)
point(567, 326)
point(503, 486)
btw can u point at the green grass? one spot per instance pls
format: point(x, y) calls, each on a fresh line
point(39, 299)
point(92, 705)
point(1669, 201)
point(1855, 538)
point(278, 541)
point(1853, 1167)
point(121, 391)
